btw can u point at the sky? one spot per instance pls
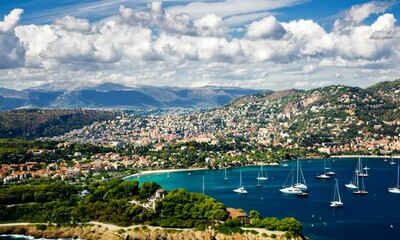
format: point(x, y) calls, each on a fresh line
point(263, 44)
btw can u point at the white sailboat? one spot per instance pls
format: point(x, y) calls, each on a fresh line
point(336, 200)
point(351, 184)
point(330, 172)
point(397, 188)
point(167, 174)
point(241, 188)
point(226, 178)
point(392, 162)
point(300, 180)
point(323, 176)
point(290, 189)
point(262, 175)
point(360, 170)
point(360, 190)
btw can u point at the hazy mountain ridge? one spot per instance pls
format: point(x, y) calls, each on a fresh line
point(111, 95)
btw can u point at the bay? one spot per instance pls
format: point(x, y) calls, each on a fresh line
point(373, 216)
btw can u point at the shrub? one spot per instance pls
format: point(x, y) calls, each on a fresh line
point(41, 227)
point(136, 229)
point(252, 231)
point(264, 235)
point(201, 227)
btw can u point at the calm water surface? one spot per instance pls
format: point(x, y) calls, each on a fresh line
point(374, 216)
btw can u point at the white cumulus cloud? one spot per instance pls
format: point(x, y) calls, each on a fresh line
point(267, 27)
point(181, 43)
point(12, 52)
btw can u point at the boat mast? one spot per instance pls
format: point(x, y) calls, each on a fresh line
point(362, 185)
point(240, 180)
point(203, 184)
point(297, 172)
point(398, 167)
point(225, 174)
point(337, 190)
point(357, 181)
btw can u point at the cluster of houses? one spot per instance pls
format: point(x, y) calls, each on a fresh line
point(258, 123)
point(109, 162)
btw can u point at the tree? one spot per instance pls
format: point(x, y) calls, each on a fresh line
point(148, 189)
point(254, 214)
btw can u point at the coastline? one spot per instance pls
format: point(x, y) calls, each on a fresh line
point(104, 231)
point(273, 164)
point(363, 156)
point(148, 172)
point(159, 171)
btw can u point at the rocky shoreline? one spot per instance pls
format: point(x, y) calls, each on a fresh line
point(96, 232)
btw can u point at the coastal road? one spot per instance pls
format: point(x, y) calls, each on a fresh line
point(18, 224)
point(115, 227)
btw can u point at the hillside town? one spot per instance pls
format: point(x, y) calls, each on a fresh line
point(333, 124)
point(267, 127)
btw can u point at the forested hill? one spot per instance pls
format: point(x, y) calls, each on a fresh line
point(335, 113)
point(34, 123)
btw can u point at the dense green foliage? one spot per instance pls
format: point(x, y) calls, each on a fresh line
point(20, 151)
point(34, 123)
point(183, 209)
point(61, 203)
point(109, 202)
point(43, 193)
point(286, 224)
point(271, 223)
point(230, 226)
point(384, 86)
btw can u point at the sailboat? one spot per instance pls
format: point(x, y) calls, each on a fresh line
point(167, 174)
point(336, 200)
point(323, 176)
point(330, 172)
point(360, 190)
point(226, 178)
point(360, 170)
point(261, 175)
point(300, 181)
point(392, 162)
point(351, 184)
point(258, 183)
point(290, 189)
point(397, 188)
point(241, 188)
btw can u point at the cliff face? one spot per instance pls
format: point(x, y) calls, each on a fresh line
point(101, 233)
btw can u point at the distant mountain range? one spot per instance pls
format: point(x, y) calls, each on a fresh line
point(111, 95)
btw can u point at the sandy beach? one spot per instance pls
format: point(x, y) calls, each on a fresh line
point(150, 172)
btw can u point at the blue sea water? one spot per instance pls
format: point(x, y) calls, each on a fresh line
point(373, 216)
